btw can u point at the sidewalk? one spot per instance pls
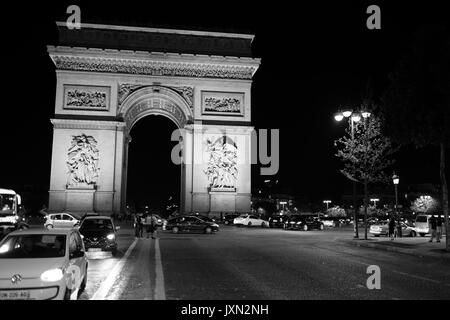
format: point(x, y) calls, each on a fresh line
point(416, 246)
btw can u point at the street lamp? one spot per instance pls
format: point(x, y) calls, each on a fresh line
point(375, 201)
point(396, 181)
point(327, 202)
point(353, 117)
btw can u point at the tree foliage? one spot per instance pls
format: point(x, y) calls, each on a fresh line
point(425, 204)
point(369, 154)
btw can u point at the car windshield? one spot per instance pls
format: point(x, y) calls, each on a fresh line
point(7, 203)
point(96, 224)
point(33, 246)
point(421, 219)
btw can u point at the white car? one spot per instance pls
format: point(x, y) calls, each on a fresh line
point(250, 220)
point(61, 220)
point(42, 264)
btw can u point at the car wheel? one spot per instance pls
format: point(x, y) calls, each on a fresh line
point(49, 226)
point(305, 227)
point(263, 224)
point(422, 234)
point(226, 222)
point(175, 230)
point(249, 224)
point(321, 227)
point(412, 234)
point(208, 230)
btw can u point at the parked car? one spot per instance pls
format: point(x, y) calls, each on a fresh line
point(42, 264)
point(61, 220)
point(250, 220)
point(305, 223)
point(229, 218)
point(160, 221)
point(204, 218)
point(191, 224)
point(277, 221)
point(382, 229)
point(422, 224)
point(99, 234)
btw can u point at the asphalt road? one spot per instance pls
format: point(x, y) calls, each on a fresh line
point(254, 263)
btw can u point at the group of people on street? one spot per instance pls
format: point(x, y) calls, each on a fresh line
point(436, 228)
point(395, 228)
point(435, 224)
point(145, 221)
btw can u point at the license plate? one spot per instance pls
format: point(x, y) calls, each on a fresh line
point(14, 295)
point(94, 249)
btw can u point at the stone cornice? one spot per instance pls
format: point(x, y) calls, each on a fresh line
point(87, 124)
point(157, 64)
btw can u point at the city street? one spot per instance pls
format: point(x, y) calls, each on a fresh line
point(255, 263)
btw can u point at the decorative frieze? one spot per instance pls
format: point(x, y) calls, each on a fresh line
point(77, 97)
point(153, 68)
point(222, 103)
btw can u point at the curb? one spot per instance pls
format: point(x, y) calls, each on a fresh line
point(413, 252)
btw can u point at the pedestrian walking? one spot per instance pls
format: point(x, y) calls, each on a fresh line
point(138, 226)
point(151, 223)
point(438, 228)
point(433, 225)
point(392, 228)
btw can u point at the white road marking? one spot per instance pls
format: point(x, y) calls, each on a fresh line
point(106, 286)
point(417, 277)
point(160, 291)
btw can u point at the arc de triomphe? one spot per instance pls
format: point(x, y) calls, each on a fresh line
point(109, 77)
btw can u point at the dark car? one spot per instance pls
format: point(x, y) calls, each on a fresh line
point(99, 234)
point(191, 224)
point(204, 218)
point(298, 222)
point(277, 221)
point(229, 218)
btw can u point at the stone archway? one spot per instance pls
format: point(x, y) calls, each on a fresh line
point(153, 100)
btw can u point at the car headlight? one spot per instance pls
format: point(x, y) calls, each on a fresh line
point(52, 275)
point(110, 236)
point(4, 248)
point(215, 225)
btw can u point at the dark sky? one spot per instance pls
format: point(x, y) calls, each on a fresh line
point(315, 58)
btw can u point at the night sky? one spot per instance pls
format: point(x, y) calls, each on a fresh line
point(315, 58)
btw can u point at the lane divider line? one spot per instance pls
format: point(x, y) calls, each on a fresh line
point(106, 285)
point(416, 277)
point(160, 291)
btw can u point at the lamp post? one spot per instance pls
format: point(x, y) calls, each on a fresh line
point(396, 181)
point(375, 202)
point(327, 203)
point(352, 118)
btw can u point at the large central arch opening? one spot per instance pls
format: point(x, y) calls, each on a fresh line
point(153, 180)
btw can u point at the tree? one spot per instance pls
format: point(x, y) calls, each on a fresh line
point(416, 106)
point(425, 204)
point(366, 157)
point(336, 212)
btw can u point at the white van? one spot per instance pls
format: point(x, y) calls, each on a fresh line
point(422, 224)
